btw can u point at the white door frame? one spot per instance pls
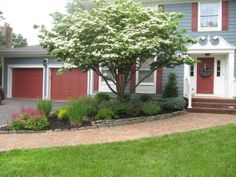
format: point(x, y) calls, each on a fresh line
point(228, 66)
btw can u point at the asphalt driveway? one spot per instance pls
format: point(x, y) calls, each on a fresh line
point(10, 106)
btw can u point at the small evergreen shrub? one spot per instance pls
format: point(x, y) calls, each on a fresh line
point(28, 119)
point(150, 108)
point(45, 106)
point(62, 113)
point(119, 108)
point(105, 113)
point(76, 111)
point(145, 97)
point(100, 97)
point(173, 104)
point(91, 106)
point(171, 87)
point(133, 109)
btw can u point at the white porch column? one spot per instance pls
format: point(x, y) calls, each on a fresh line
point(186, 75)
point(230, 69)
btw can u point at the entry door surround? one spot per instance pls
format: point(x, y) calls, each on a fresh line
point(205, 85)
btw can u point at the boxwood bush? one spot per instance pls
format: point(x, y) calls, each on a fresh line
point(150, 108)
point(145, 97)
point(173, 104)
point(105, 113)
point(100, 97)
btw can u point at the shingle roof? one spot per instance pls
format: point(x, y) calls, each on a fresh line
point(34, 50)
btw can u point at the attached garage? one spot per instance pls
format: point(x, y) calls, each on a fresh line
point(68, 85)
point(27, 83)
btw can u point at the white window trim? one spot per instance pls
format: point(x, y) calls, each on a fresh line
point(145, 83)
point(219, 28)
point(102, 86)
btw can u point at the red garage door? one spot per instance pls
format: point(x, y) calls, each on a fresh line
point(27, 83)
point(68, 85)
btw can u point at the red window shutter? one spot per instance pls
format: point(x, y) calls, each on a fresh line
point(133, 79)
point(194, 16)
point(159, 80)
point(95, 81)
point(225, 15)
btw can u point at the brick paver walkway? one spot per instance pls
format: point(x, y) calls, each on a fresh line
point(186, 122)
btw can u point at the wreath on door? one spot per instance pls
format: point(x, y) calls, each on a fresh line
point(205, 71)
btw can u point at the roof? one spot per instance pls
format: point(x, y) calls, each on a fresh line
point(29, 51)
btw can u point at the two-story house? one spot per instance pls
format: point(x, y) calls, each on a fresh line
point(30, 73)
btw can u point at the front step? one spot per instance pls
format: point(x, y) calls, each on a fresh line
point(217, 106)
point(214, 105)
point(213, 110)
point(214, 100)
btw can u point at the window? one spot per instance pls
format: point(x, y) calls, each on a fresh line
point(210, 16)
point(143, 71)
point(218, 68)
point(106, 73)
point(191, 70)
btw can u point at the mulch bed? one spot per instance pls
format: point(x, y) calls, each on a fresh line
point(55, 124)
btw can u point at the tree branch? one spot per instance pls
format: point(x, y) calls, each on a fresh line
point(106, 80)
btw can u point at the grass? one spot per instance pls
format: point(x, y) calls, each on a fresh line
point(208, 153)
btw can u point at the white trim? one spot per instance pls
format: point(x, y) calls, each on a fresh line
point(227, 75)
point(9, 81)
point(219, 28)
point(222, 47)
point(3, 71)
point(91, 80)
point(88, 82)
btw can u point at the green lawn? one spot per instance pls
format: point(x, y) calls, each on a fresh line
point(210, 153)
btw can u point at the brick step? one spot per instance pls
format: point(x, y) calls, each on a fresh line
point(213, 110)
point(213, 100)
point(214, 105)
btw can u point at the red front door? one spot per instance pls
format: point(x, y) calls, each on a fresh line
point(205, 76)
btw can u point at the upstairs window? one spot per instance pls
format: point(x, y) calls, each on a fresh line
point(210, 14)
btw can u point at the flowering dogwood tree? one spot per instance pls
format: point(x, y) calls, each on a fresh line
point(118, 35)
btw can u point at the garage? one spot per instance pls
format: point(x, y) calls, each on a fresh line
point(27, 83)
point(68, 85)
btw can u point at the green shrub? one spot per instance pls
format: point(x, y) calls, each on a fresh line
point(133, 109)
point(119, 108)
point(62, 113)
point(28, 119)
point(37, 124)
point(100, 97)
point(145, 97)
point(105, 113)
point(76, 111)
point(171, 88)
point(90, 106)
point(173, 104)
point(149, 108)
point(45, 106)
point(17, 125)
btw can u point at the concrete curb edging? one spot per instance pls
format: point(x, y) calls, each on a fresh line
point(105, 123)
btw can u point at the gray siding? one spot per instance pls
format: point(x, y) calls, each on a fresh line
point(186, 9)
point(179, 71)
